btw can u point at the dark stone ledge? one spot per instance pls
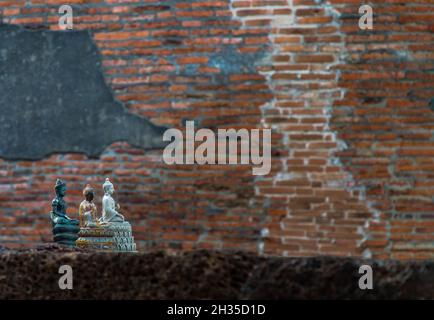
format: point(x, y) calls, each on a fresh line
point(33, 274)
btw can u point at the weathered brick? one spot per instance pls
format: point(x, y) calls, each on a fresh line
point(375, 86)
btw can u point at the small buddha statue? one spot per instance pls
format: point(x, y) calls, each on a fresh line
point(65, 229)
point(87, 209)
point(109, 207)
point(58, 213)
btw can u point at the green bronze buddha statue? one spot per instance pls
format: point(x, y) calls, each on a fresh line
point(65, 229)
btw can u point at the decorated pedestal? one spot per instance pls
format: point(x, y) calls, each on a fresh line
point(99, 239)
point(123, 236)
point(115, 237)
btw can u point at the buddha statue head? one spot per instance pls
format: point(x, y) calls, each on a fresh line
point(60, 188)
point(108, 187)
point(88, 192)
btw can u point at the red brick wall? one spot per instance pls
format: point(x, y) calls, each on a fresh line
point(385, 120)
point(349, 109)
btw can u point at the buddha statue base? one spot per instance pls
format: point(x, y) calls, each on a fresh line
point(111, 237)
point(96, 238)
point(65, 232)
point(123, 236)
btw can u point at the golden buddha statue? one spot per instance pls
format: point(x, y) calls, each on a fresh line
point(87, 210)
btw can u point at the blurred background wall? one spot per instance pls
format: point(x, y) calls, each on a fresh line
point(350, 109)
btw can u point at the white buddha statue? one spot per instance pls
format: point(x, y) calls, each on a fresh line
point(109, 207)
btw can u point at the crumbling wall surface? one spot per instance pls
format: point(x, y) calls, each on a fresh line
point(349, 110)
point(167, 62)
point(385, 119)
point(205, 275)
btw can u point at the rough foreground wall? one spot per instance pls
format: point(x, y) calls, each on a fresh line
point(350, 112)
point(215, 275)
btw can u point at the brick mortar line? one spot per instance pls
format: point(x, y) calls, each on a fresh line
point(333, 160)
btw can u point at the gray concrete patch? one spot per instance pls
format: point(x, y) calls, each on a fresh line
point(53, 98)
